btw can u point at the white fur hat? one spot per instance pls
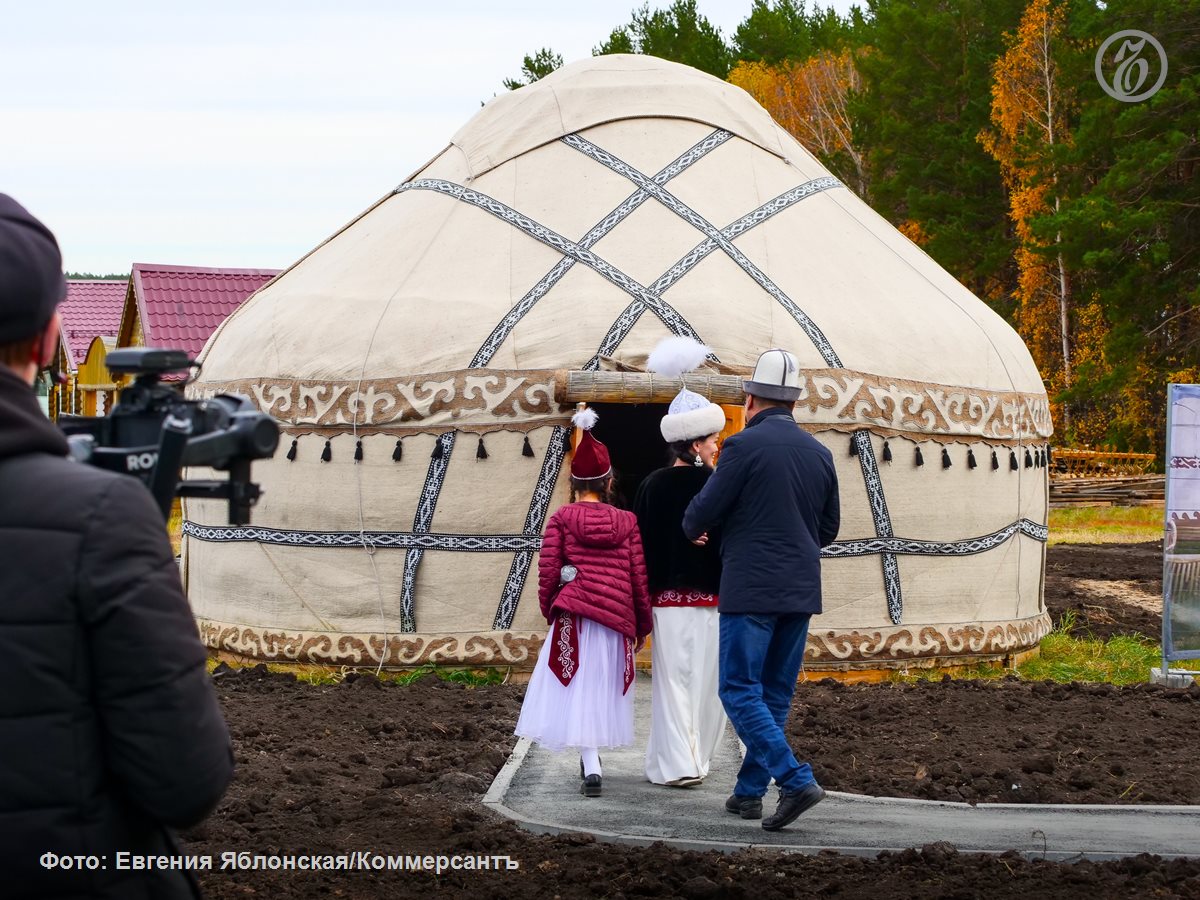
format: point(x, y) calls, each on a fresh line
point(690, 416)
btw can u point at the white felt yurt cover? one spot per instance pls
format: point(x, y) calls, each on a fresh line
point(570, 225)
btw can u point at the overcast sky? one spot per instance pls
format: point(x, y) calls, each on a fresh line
point(244, 132)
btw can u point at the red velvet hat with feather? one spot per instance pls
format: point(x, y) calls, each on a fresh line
point(590, 459)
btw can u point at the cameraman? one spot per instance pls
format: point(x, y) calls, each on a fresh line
point(110, 732)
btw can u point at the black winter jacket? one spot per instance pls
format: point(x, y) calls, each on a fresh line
point(110, 732)
point(672, 561)
point(774, 496)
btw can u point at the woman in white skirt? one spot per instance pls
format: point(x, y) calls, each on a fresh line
point(592, 591)
point(687, 719)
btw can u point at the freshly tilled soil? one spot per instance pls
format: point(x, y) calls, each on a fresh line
point(399, 770)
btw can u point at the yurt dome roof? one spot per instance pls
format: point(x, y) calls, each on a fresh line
point(618, 200)
point(603, 89)
point(423, 363)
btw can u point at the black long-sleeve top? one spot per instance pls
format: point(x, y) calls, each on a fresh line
point(672, 561)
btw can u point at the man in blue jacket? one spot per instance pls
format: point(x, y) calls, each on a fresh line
point(774, 498)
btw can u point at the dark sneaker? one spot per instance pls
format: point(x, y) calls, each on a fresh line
point(746, 807)
point(792, 804)
point(598, 759)
point(590, 786)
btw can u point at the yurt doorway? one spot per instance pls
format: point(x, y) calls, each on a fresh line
point(635, 444)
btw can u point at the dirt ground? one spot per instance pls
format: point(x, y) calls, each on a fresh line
point(400, 770)
point(1110, 588)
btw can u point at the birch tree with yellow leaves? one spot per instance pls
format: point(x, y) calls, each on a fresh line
point(1030, 114)
point(809, 99)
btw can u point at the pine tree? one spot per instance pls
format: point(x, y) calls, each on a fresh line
point(1131, 225)
point(535, 67)
point(678, 33)
point(925, 98)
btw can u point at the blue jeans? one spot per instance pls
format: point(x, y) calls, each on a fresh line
point(760, 661)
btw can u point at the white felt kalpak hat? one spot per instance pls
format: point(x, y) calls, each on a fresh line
point(690, 415)
point(776, 377)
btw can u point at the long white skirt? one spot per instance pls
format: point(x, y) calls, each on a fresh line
point(590, 710)
point(687, 719)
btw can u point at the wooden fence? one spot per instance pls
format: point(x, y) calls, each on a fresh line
point(1104, 478)
point(1099, 463)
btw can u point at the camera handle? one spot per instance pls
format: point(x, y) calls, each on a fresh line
point(239, 490)
point(165, 477)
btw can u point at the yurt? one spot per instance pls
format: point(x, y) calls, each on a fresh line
point(423, 364)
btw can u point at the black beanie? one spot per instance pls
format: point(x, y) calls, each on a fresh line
point(31, 277)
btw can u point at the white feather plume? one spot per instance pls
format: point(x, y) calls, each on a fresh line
point(676, 355)
point(585, 419)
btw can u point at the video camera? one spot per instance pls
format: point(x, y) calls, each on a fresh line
point(154, 431)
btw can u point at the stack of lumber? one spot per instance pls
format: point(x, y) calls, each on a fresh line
point(1137, 490)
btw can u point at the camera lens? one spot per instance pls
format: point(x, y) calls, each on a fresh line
point(263, 437)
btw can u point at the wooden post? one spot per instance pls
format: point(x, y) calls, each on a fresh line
point(735, 421)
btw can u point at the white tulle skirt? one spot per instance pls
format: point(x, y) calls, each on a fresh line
point(589, 711)
point(687, 719)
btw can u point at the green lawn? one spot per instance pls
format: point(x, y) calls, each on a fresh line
point(1106, 524)
point(314, 674)
point(1122, 659)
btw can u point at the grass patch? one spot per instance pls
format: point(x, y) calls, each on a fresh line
point(980, 671)
point(323, 675)
point(1063, 657)
point(1106, 524)
point(1122, 659)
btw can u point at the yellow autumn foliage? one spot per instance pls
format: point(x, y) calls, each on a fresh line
point(1029, 114)
point(809, 99)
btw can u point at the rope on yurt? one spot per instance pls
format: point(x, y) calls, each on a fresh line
point(362, 525)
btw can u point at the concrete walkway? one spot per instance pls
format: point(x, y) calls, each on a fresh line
point(540, 791)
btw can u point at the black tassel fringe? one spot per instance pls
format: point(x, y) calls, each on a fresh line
point(995, 461)
point(437, 453)
point(481, 451)
point(1028, 459)
point(971, 464)
point(327, 453)
point(291, 454)
point(358, 451)
point(1012, 460)
point(853, 445)
point(398, 453)
point(946, 462)
point(887, 452)
point(919, 458)
point(526, 448)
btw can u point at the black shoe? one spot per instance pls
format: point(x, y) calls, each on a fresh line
point(792, 804)
point(590, 786)
point(746, 807)
point(598, 759)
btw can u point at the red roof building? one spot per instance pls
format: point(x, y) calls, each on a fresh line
point(179, 307)
point(91, 309)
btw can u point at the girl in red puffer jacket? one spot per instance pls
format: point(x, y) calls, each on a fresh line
point(592, 591)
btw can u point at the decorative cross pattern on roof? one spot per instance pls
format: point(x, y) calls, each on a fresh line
point(650, 298)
